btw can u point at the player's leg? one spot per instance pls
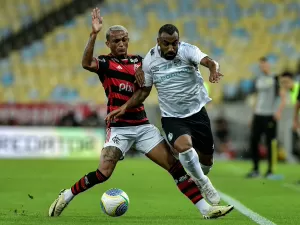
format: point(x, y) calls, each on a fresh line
point(179, 136)
point(113, 151)
point(271, 131)
point(203, 142)
point(152, 144)
point(256, 132)
point(161, 155)
point(108, 161)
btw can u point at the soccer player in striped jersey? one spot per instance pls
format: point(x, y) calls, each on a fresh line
point(116, 71)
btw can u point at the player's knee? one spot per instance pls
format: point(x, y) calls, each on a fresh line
point(182, 145)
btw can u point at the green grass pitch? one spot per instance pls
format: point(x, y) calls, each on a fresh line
point(28, 187)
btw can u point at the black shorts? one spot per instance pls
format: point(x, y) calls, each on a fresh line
point(197, 126)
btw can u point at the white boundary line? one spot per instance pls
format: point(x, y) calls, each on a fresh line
point(246, 211)
point(291, 186)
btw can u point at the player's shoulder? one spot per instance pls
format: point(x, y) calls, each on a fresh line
point(150, 56)
point(103, 58)
point(187, 46)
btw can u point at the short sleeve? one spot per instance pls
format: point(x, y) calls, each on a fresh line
point(298, 98)
point(147, 71)
point(192, 53)
point(102, 63)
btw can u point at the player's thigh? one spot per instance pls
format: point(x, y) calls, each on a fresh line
point(162, 155)
point(147, 137)
point(271, 128)
point(202, 137)
point(121, 138)
point(177, 133)
point(257, 128)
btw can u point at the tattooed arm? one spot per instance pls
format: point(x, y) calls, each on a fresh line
point(88, 61)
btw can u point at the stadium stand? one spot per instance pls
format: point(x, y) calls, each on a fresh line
point(234, 32)
point(16, 14)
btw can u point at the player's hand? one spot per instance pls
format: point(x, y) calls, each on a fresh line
point(296, 125)
point(215, 76)
point(140, 77)
point(277, 116)
point(113, 115)
point(96, 21)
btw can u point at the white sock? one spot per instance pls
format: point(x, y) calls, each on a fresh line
point(68, 195)
point(203, 206)
point(190, 161)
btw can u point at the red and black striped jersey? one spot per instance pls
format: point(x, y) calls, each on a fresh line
point(117, 77)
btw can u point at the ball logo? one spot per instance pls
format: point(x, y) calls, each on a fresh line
point(126, 87)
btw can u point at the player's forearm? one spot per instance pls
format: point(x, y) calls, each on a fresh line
point(87, 57)
point(296, 111)
point(211, 64)
point(138, 98)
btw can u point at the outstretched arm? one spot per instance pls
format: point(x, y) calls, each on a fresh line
point(213, 67)
point(296, 114)
point(88, 61)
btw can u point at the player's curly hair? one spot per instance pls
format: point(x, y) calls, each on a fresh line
point(169, 29)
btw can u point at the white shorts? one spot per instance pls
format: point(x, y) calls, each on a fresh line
point(144, 137)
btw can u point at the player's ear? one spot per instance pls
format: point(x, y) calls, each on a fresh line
point(107, 44)
point(157, 40)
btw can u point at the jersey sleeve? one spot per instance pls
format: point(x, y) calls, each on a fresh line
point(102, 63)
point(298, 98)
point(147, 71)
point(192, 53)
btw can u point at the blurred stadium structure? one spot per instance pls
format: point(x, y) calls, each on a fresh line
point(42, 42)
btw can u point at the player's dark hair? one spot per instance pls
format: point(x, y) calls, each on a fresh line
point(287, 74)
point(263, 59)
point(169, 29)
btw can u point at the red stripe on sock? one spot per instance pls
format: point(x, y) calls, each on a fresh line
point(192, 191)
point(82, 183)
point(100, 176)
point(175, 167)
point(185, 184)
point(73, 190)
point(77, 187)
point(197, 198)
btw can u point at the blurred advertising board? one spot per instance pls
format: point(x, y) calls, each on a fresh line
point(51, 142)
point(46, 113)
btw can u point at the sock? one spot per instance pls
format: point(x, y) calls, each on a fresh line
point(184, 183)
point(203, 206)
point(190, 161)
point(88, 181)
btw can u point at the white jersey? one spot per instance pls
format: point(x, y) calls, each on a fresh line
point(180, 86)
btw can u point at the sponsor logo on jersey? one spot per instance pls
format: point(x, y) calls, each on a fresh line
point(126, 87)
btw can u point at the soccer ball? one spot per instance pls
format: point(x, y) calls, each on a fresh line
point(114, 202)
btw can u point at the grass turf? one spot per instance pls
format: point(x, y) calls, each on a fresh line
point(28, 187)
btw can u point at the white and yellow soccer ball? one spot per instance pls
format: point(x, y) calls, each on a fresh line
point(114, 202)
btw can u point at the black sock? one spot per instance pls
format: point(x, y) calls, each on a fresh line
point(88, 181)
point(184, 183)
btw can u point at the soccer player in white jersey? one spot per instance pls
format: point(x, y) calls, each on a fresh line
point(172, 67)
